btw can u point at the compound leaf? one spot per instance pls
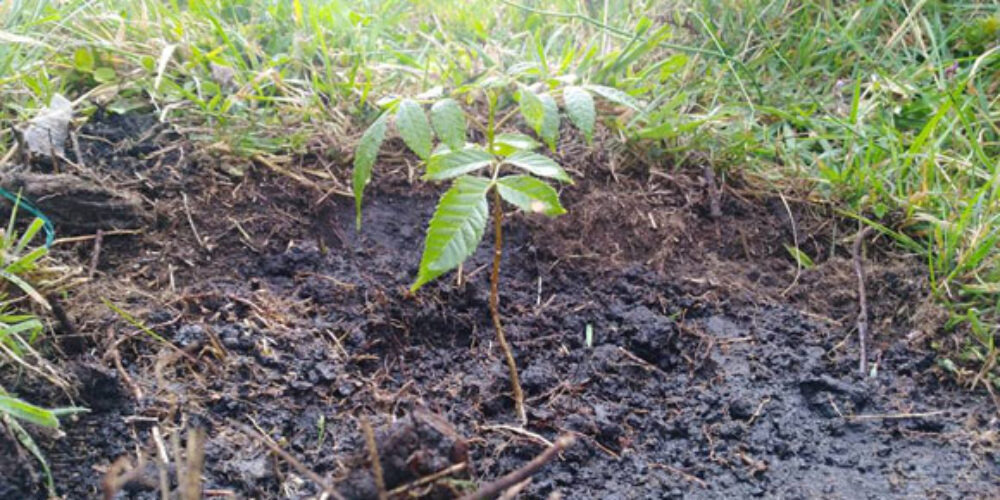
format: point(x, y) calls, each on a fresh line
point(364, 159)
point(448, 120)
point(580, 109)
point(449, 164)
point(455, 229)
point(413, 127)
point(539, 165)
point(530, 195)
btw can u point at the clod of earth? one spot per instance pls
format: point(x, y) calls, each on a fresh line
point(77, 205)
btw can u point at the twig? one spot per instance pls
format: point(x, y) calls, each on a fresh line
point(88, 237)
point(366, 428)
point(715, 211)
point(493, 489)
point(288, 173)
point(194, 229)
point(685, 475)
point(515, 491)
point(518, 430)
point(862, 300)
point(447, 471)
point(96, 257)
point(896, 416)
point(795, 240)
point(649, 367)
point(162, 463)
point(294, 462)
point(193, 465)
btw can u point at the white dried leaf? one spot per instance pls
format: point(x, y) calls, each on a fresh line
point(46, 133)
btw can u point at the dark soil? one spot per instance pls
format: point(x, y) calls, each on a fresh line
point(714, 370)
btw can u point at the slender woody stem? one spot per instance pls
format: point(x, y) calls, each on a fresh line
point(515, 382)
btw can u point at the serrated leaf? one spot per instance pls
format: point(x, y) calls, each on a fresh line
point(531, 108)
point(449, 122)
point(413, 127)
point(539, 165)
point(28, 412)
point(455, 163)
point(616, 96)
point(580, 109)
point(506, 144)
point(455, 230)
point(364, 159)
point(549, 130)
point(530, 195)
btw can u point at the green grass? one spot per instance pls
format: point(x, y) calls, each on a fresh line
point(886, 109)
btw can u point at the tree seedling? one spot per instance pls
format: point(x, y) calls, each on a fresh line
point(500, 167)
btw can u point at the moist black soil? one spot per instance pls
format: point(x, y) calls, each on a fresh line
point(715, 367)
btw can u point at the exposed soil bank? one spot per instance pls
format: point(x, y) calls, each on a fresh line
point(710, 374)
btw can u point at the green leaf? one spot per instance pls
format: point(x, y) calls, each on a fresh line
point(531, 108)
point(455, 163)
point(413, 127)
point(580, 109)
point(449, 123)
point(539, 165)
point(549, 130)
point(104, 75)
point(28, 412)
point(530, 195)
point(616, 96)
point(456, 228)
point(29, 444)
point(506, 144)
point(83, 60)
point(364, 159)
point(803, 259)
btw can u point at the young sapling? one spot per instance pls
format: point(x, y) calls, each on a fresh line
point(501, 167)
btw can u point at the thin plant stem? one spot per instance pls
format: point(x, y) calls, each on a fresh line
point(515, 382)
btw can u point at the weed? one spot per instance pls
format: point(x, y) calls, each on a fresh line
point(20, 266)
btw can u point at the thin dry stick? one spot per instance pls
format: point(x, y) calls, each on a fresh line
point(88, 237)
point(194, 229)
point(194, 465)
point(715, 210)
point(162, 463)
point(294, 462)
point(795, 240)
point(95, 258)
point(862, 300)
point(896, 416)
point(515, 382)
point(493, 489)
point(685, 475)
point(366, 428)
point(447, 471)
